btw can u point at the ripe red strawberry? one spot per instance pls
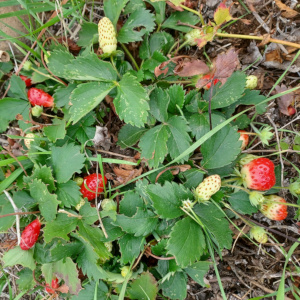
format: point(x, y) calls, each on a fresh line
point(209, 186)
point(291, 110)
point(27, 80)
point(244, 138)
point(259, 174)
point(91, 182)
point(54, 284)
point(209, 77)
point(273, 208)
point(30, 235)
point(39, 97)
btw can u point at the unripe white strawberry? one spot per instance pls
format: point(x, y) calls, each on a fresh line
point(107, 35)
point(29, 138)
point(80, 204)
point(108, 246)
point(251, 82)
point(192, 35)
point(259, 234)
point(209, 186)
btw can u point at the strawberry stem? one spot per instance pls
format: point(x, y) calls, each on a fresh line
point(130, 56)
point(236, 187)
point(229, 180)
point(258, 38)
point(283, 203)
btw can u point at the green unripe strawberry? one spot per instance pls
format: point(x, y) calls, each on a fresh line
point(29, 138)
point(294, 188)
point(192, 36)
point(125, 270)
point(209, 186)
point(108, 246)
point(251, 82)
point(80, 204)
point(259, 234)
point(107, 35)
point(108, 204)
point(78, 180)
point(27, 65)
point(36, 111)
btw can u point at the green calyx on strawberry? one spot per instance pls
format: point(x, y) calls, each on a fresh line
point(259, 234)
point(90, 184)
point(274, 208)
point(245, 159)
point(294, 188)
point(108, 205)
point(259, 174)
point(256, 198)
point(209, 186)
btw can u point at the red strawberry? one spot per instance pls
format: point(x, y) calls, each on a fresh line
point(273, 209)
point(291, 110)
point(39, 97)
point(259, 174)
point(27, 80)
point(30, 235)
point(244, 138)
point(209, 77)
point(91, 182)
point(54, 284)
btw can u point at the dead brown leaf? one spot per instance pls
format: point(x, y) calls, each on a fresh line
point(124, 175)
point(63, 289)
point(178, 8)
point(274, 55)
point(287, 12)
point(162, 68)
point(265, 41)
point(284, 102)
point(191, 67)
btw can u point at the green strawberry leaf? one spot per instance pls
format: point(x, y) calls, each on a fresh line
point(17, 256)
point(88, 34)
point(25, 281)
point(144, 287)
point(184, 17)
point(140, 224)
point(130, 202)
point(187, 242)
point(216, 223)
point(176, 94)
point(193, 178)
point(129, 135)
point(198, 270)
point(240, 203)
point(58, 61)
point(88, 213)
point(159, 102)
point(179, 139)
point(199, 123)
point(130, 247)
point(64, 269)
point(221, 149)
point(91, 289)
point(68, 193)
point(62, 249)
point(86, 97)
point(10, 108)
point(45, 174)
point(230, 92)
point(113, 9)
point(62, 95)
point(60, 227)
point(139, 18)
point(18, 87)
point(66, 161)
point(131, 102)
point(154, 145)
point(175, 287)
point(87, 259)
point(113, 231)
point(47, 202)
point(167, 199)
point(56, 131)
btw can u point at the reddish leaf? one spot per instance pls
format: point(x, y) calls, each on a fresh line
point(222, 14)
point(285, 102)
point(162, 68)
point(191, 68)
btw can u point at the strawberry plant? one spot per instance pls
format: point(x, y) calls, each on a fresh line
point(86, 229)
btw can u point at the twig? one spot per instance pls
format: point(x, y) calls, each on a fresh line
point(148, 252)
point(279, 148)
point(20, 214)
point(17, 216)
